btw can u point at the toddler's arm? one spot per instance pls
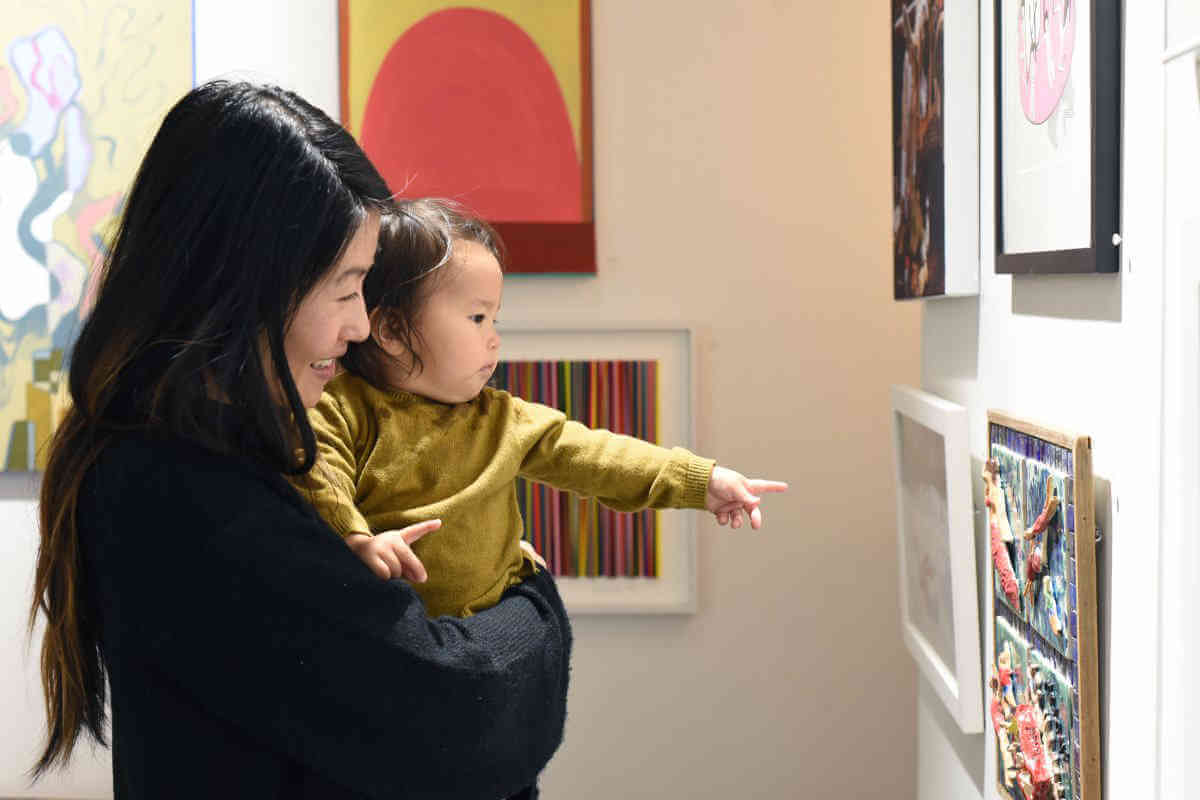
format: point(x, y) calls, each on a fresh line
point(331, 487)
point(629, 474)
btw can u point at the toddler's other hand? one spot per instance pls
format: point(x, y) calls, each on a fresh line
point(731, 493)
point(389, 554)
point(533, 554)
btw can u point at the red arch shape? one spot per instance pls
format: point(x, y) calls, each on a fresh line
point(465, 106)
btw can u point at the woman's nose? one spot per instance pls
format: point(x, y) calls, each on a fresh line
point(358, 327)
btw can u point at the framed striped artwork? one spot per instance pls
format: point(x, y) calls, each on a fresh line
point(636, 381)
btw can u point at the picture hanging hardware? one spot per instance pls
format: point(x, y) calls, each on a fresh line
point(1182, 50)
point(1099, 534)
point(1116, 240)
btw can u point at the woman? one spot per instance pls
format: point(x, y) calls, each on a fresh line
point(248, 651)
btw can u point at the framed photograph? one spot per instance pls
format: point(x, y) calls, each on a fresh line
point(935, 148)
point(636, 380)
point(938, 600)
point(489, 104)
point(1058, 124)
point(1043, 691)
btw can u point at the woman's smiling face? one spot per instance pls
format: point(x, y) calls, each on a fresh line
point(330, 316)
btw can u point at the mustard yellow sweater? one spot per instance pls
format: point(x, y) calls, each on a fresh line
point(390, 459)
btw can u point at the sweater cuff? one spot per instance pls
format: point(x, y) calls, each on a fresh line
point(347, 521)
point(695, 486)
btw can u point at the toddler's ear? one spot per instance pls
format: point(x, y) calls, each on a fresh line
point(381, 332)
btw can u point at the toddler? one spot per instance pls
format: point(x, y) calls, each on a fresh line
point(411, 433)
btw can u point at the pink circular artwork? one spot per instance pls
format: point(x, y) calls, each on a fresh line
point(1045, 45)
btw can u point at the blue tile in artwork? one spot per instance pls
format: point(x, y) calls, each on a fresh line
point(1071, 463)
point(1070, 545)
point(1071, 488)
point(1073, 651)
point(1074, 626)
point(1071, 517)
point(1071, 591)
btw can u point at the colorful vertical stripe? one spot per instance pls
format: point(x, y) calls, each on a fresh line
point(579, 537)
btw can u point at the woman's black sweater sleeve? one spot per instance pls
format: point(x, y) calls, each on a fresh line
point(216, 579)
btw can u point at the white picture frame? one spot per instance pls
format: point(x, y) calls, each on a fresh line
point(939, 612)
point(674, 591)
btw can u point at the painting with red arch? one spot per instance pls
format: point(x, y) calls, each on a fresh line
point(465, 105)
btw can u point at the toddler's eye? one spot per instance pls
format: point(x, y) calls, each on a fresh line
point(478, 318)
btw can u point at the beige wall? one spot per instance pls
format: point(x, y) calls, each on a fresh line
point(742, 184)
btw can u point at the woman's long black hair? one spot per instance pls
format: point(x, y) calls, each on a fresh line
point(245, 198)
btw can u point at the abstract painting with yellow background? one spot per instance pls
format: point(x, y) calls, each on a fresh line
point(487, 104)
point(83, 87)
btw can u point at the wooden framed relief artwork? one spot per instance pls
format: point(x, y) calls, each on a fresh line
point(1058, 143)
point(1043, 698)
point(82, 90)
point(935, 148)
point(487, 104)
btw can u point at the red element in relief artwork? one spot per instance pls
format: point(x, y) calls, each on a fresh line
point(1031, 745)
point(1004, 569)
point(996, 712)
point(998, 522)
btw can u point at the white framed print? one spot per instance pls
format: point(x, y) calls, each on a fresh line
point(939, 614)
point(628, 378)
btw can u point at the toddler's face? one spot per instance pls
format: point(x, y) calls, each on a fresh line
point(458, 343)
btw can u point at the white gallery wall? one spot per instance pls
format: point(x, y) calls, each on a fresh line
point(1086, 353)
point(743, 187)
point(1179, 731)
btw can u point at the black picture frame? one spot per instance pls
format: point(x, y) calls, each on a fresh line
point(1102, 255)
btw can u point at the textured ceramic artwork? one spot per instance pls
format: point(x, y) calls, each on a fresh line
point(1034, 684)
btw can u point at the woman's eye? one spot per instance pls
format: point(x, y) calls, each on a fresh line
point(348, 297)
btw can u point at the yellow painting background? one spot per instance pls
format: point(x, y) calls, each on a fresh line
point(374, 25)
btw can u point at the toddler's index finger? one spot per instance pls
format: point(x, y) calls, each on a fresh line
point(414, 532)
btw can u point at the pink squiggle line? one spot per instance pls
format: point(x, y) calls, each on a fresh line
point(50, 92)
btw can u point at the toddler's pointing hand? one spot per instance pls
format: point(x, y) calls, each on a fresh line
point(730, 494)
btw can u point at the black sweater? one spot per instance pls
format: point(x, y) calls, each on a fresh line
point(252, 655)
